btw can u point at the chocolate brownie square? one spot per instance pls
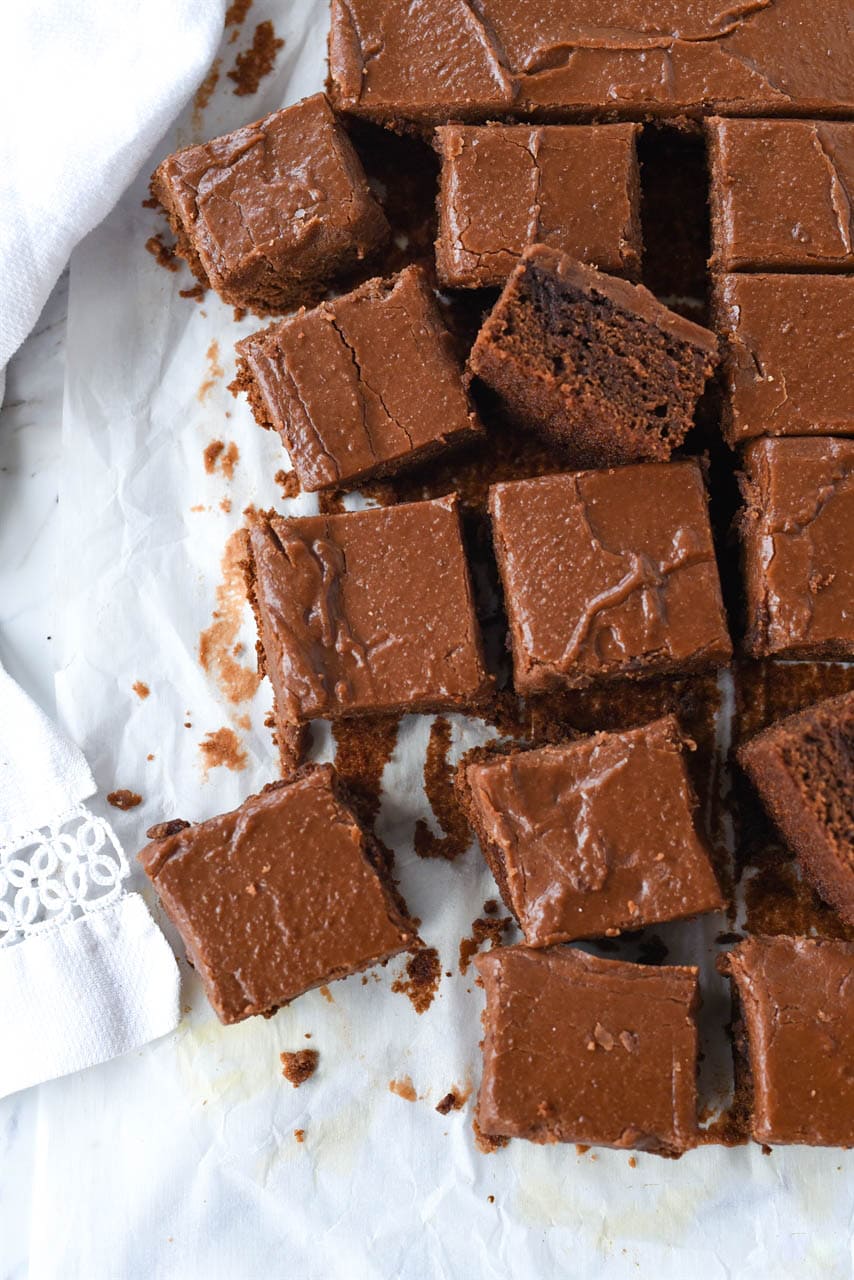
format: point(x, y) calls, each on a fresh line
point(279, 896)
point(797, 534)
point(362, 385)
point(608, 574)
point(578, 1049)
point(268, 215)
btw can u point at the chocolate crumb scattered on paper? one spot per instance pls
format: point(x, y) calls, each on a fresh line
point(204, 93)
point(439, 787)
point(299, 1066)
point(482, 930)
point(163, 254)
point(484, 1142)
point(299, 1134)
point(141, 689)
point(454, 1100)
point(255, 63)
point(363, 748)
point(288, 481)
point(222, 456)
point(197, 292)
point(215, 371)
point(235, 16)
point(217, 642)
point(124, 799)
point(420, 979)
point(221, 749)
point(404, 1088)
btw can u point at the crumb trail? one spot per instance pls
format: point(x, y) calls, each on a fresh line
point(439, 787)
point(218, 641)
point(255, 63)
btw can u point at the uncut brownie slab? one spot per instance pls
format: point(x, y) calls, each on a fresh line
point(803, 770)
point(787, 353)
point(608, 574)
point(360, 386)
point(781, 194)
point(449, 59)
point(268, 215)
point(797, 535)
point(503, 187)
point(796, 1041)
point(592, 363)
point(281, 895)
point(578, 1049)
point(364, 612)
point(552, 824)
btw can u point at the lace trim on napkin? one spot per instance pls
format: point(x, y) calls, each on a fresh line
point(59, 873)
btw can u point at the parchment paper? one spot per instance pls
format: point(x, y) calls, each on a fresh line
point(181, 1160)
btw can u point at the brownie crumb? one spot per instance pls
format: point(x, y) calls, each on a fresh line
point(211, 454)
point(363, 748)
point(222, 455)
point(454, 1100)
point(327, 994)
point(221, 748)
point(162, 830)
point(490, 907)
point(439, 786)
point(482, 930)
point(484, 1142)
point(633, 1164)
point(404, 1088)
point(299, 1066)
point(217, 642)
point(490, 1199)
point(235, 16)
point(140, 689)
point(215, 371)
point(289, 483)
point(581, 1148)
point(422, 976)
point(253, 64)
point(197, 292)
point(204, 93)
point(163, 254)
point(299, 1134)
point(331, 502)
point(124, 799)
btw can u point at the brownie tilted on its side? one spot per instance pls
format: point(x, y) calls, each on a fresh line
point(503, 187)
point(796, 1039)
point(578, 1049)
point(279, 896)
point(592, 363)
point(552, 824)
point(360, 386)
point(268, 215)
point(803, 769)
point(797, 534)
point(365, 612)
point(609, 574)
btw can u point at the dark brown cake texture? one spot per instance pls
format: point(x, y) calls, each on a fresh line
point(591, 362)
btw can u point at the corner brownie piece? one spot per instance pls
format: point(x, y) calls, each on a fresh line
point(803, 769)
point(592, 363)
point(365, 612)
point(796, 999)
point(361, 386)
point(281, 895)
point(788, 354)
point(781, 194)
point(578, 1049)
point(797, 534)
point(269, 214)
point(552, 825)
point(574, 188)
point(608, 574)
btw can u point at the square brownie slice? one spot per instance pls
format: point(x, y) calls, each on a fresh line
point(552, 825)
point(797, 537)
point(608, 574)
point(781, 193)
point(281, 895)
point(795, 997)
point(788, 354)
point(268, 215)
point(592, 363)
point(502, 187)
point(362, 385)
point(578, 1049)
point(365, 612)
point(803, 769)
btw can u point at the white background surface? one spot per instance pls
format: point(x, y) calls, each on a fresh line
point(181, 1160)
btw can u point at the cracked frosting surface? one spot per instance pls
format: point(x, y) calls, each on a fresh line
point(608, 574)
point(578, 1049)
point(573, 866)
point(797, 1002)
point(798, 542)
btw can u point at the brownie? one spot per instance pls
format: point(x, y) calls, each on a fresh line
point(803, 769)
point(608, 574)
point(270, 214)
point(797, 532)
point(552, 825)
point(781, 194)
point(579, 1049)
point(279, 896)
point(788, 354)
point(361, 386)
point(365, 612)
point(575, 188)
point(416, 65)
point(797, 1037)
point(591, 362)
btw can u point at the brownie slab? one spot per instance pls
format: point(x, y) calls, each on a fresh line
point(797, 533)
point(788, 354)
point(803, 769)
point(592, 363)
point(364, 612)
point(552, 824)
point(502, 187)
point(796, 997)
point(578, 1049)
point(281, 895)
point(608, 574)
point(781, 194)
point(268, 215)
point(360, 386)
